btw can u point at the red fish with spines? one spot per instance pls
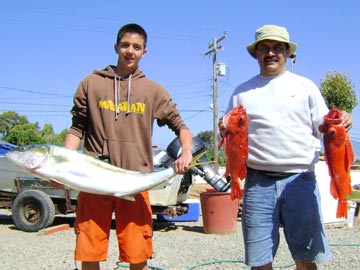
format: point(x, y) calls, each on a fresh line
point(339, 156)
point(236, 148)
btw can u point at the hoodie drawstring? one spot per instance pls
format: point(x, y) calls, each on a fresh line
point(117, 95)
point(128, 95)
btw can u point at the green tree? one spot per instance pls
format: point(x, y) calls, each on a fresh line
point(59, 139)
point(25, 134)
point(338, 91)
point(10, 119)
point(208, 138)
point(47, 133)
point(16, 129)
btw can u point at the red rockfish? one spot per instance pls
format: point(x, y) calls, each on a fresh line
point(236, 148)
point(339, 156)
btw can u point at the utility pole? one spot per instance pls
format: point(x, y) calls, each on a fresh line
point(213, 50)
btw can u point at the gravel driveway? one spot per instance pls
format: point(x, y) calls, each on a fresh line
point(178, 246)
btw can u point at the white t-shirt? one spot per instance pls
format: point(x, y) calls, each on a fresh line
point(284, 113)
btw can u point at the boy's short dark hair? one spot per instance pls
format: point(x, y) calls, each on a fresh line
point(131, 28)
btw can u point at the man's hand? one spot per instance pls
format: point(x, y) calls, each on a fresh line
point(347, 120)
point(222, 128)
point(181, 165)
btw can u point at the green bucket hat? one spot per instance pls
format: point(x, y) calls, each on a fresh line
point(271, 32)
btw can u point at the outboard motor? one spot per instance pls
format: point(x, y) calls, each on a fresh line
point(204, 170)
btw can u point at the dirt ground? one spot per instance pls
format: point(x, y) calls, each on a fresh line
point(196, 189)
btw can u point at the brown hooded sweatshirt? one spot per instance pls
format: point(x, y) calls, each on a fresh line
point(116, 115)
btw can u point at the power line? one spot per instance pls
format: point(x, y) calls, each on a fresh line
point(36, 17)
point(34, 104)
point(34, 92)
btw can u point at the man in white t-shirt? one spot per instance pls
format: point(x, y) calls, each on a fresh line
point(284, 111)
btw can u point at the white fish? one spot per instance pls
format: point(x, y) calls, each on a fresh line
point(83, 172)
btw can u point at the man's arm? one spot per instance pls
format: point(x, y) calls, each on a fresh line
point(72, 141)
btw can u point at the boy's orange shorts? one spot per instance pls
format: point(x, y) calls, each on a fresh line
point(133, 221)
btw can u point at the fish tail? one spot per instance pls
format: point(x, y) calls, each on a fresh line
point(342, 210)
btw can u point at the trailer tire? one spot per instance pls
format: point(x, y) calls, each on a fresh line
point(33, 210)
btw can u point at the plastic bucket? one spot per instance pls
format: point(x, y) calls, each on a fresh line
point(219, 212)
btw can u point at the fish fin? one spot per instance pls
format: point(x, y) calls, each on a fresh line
point(342, 209)
point(221, 142)
point(227, 172)
point(243, 172)
point(236, 192)
point(162, 185)
point(333, 189)
point(349, 160)
point(129, 198)
point(326, 159)
point(349, 152)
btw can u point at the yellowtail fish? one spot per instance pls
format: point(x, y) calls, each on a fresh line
point(85, 173)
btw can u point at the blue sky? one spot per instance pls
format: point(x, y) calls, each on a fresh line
point(47, 47)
